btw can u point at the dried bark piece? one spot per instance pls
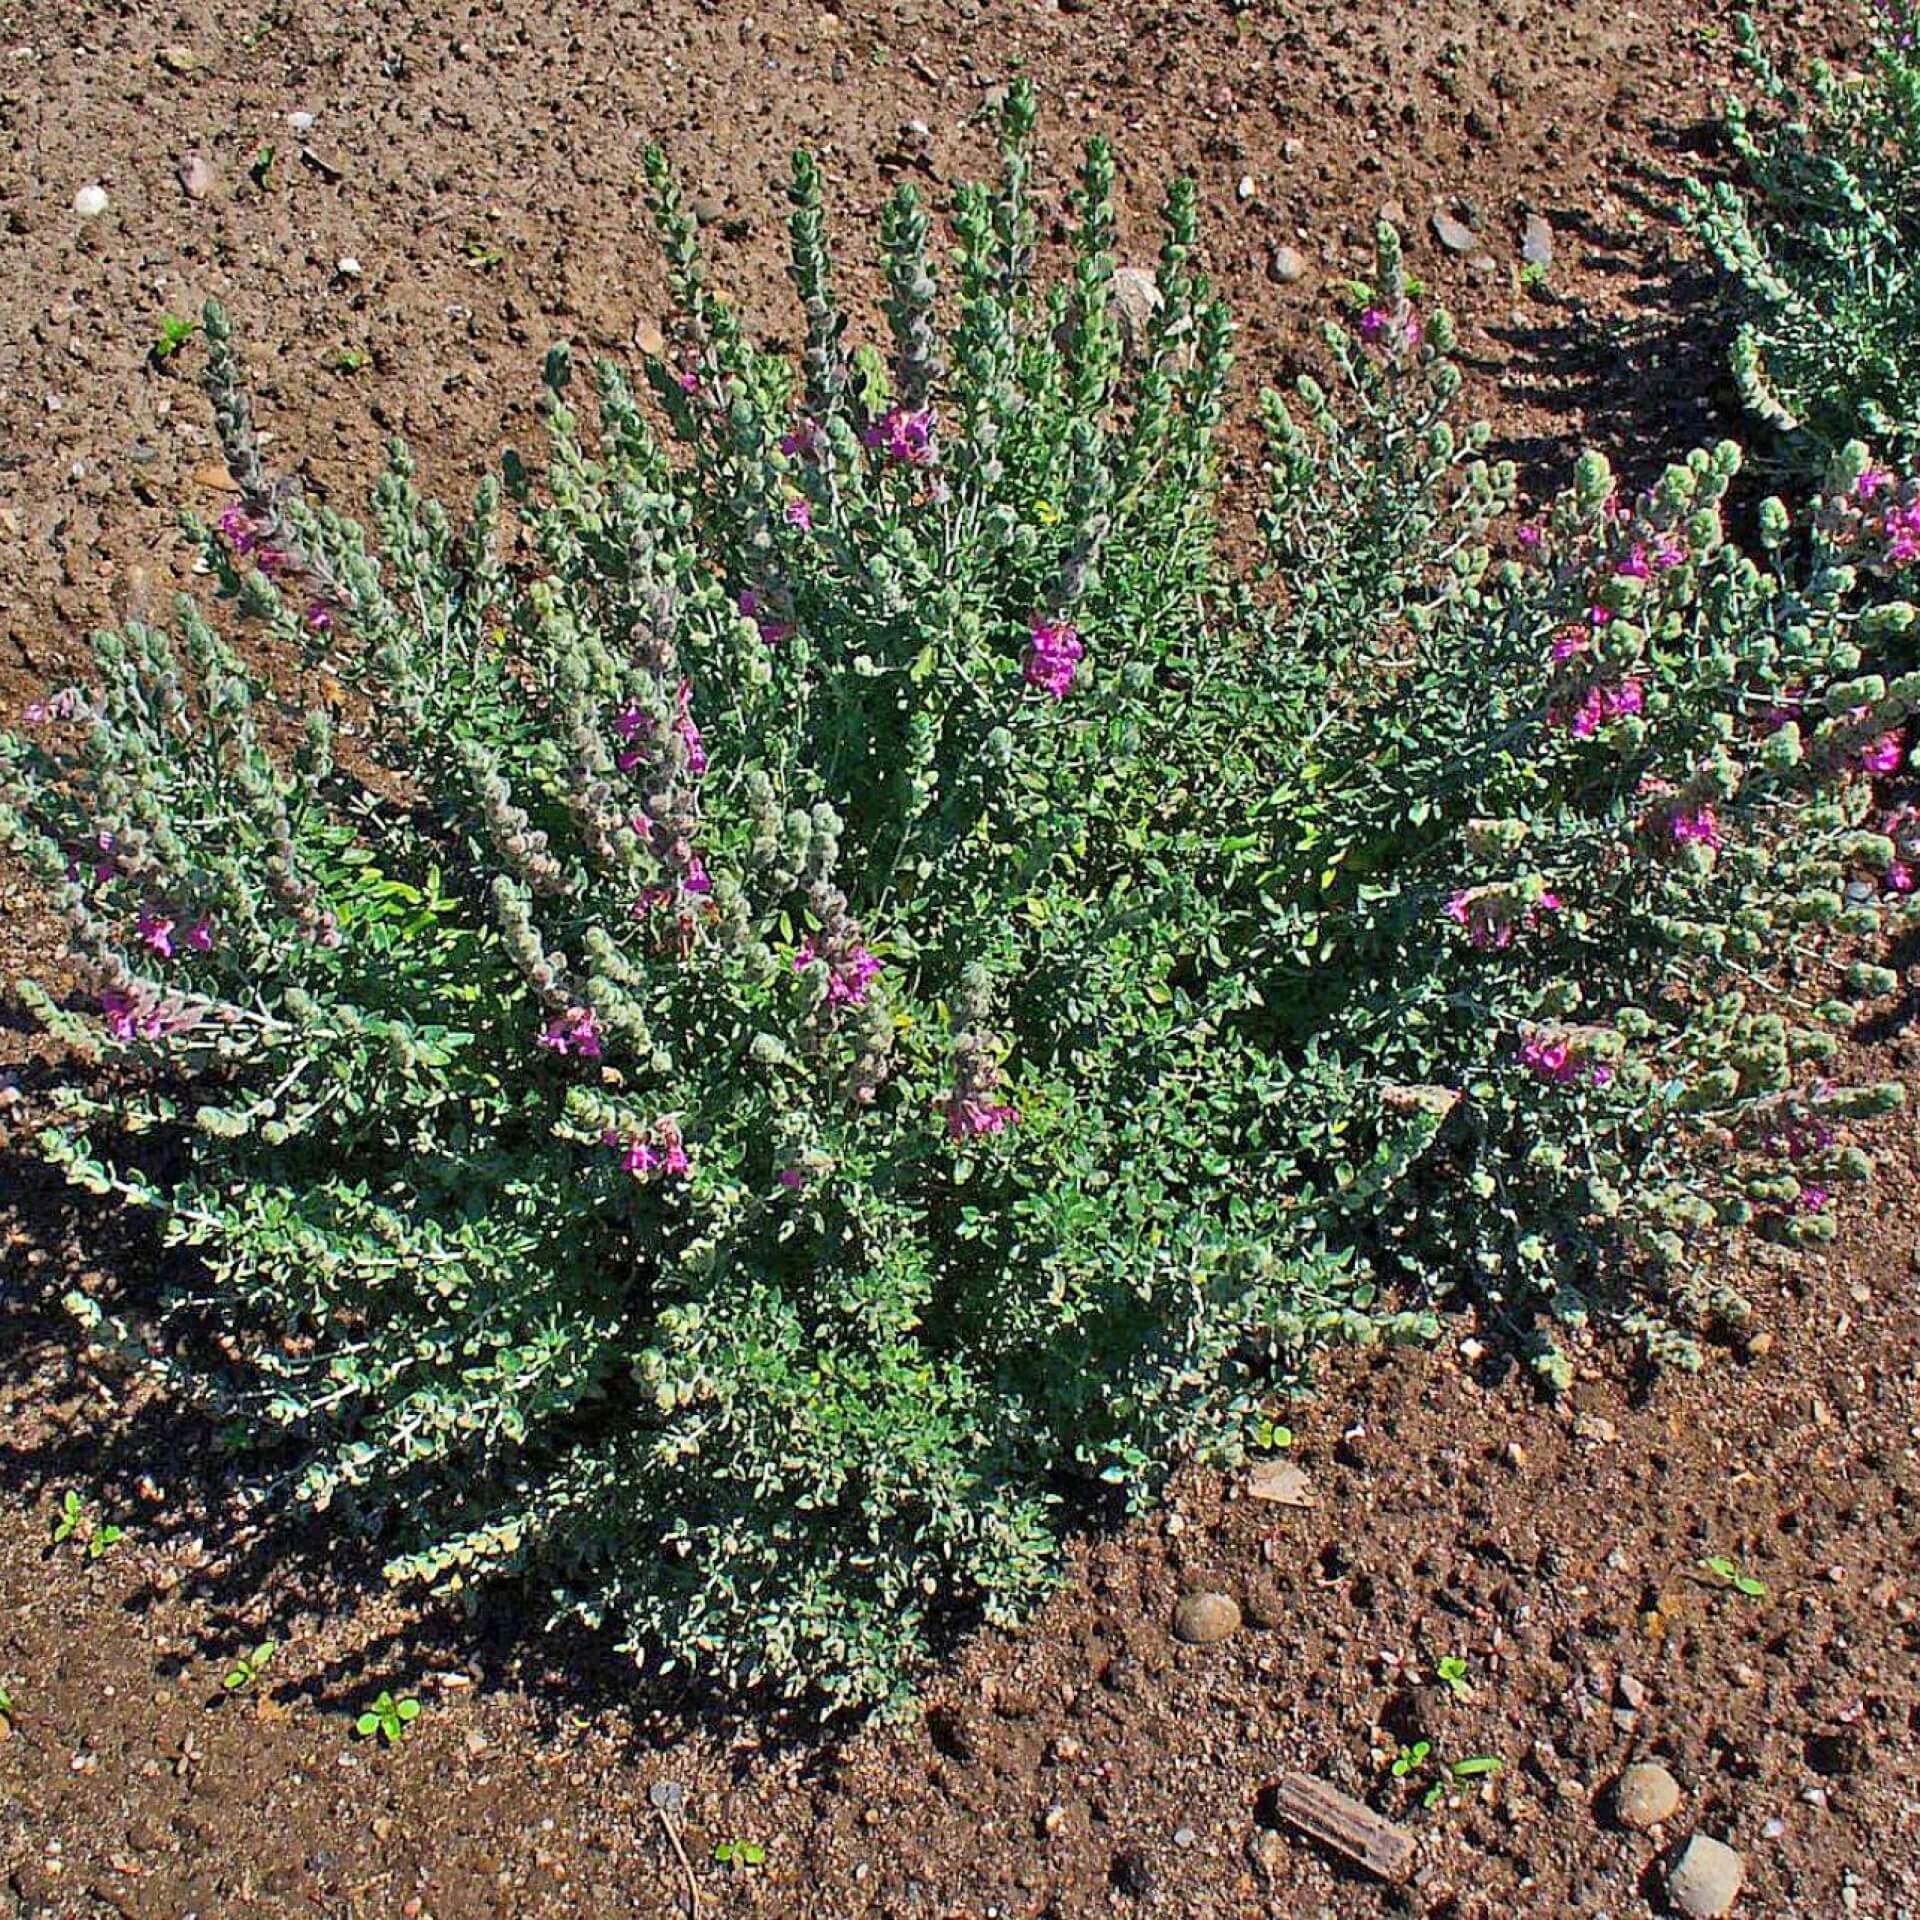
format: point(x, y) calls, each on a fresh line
point(1339, 1821)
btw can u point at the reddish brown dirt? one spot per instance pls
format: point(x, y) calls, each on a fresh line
point(479, 165)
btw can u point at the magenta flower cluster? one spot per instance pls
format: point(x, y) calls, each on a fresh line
point(1397, 329)
point(1561, 1061)
point(660, 1150)
point(574, 1033)
point(157, 931)
point(850, 977)
point(1493, 915)
point(1054, 653)
point(1602, 703)
point(904, 435)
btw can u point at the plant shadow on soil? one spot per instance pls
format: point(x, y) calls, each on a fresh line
point(261, 1573)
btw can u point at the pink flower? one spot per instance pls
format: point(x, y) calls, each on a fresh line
point(1902, 529)
point(687, 382)
point(200, 936)
point(651, 900)
point(239, 528)
point(1872, 482)
point(800, 512)
point(967, 1118)
point(802, 441)
point(696, 879)
point(1601, 704)
point(848, 980)
point(1568, 644)
point(128, 1020)
point(1053, 655)
point(157, 932)
point(1669, 551)
point(688, 732)
point(1899, 878)
point(664, 1153)
point(903, 435)
point(753, 605)
point(319, 616)
point(1812, 1199)
point(1559, 1063)
point(792, 1178)
point(1885, 753)
point(1531, 536)
point(1378, 326)
point(272, 560)
point(1635, 565)
point(575, 1032)
point(1695, 826)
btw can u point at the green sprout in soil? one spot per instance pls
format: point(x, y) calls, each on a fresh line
point(352, 360)
point(6, 1712)
point(740, 1853)
point(1533, 276)
point(388, 1717)
point(71, 1523)
point(246, 1666)
point(1270, 1436)
point(1451, 1671)
point(260, 168)
point(173, 335)
point(1479, 1766)
point(1729, 1573)
point(1409, 1760)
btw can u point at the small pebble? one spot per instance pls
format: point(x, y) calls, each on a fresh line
point(1646, 1795)
point(1205, 1619)
point(90, 202)
point(1286, 265)
point(300, 122)
point(1705, 1881)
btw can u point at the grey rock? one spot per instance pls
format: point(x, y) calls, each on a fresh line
point(1706, 1879)
point(1136, 299)
point(1205, 1619)
point(1286, 265)
point(1455, 235)
point(1536, 242)
point(1645, 1795)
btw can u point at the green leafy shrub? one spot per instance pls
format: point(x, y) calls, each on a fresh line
point(856, 981)
point(1824, 244)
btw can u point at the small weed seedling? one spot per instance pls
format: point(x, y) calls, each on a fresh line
point(1533, 276)
point(70, 1523)
point(1456, 1773)
point(260, 168)
point(1729, 1573)
point(173, 335)
point(388, 1717)
point(351, 360)
point(1451, 1671)
point(6, 1711)
point(1270, 1437)
point(1409, 1760)
point(247, 1666)
point(740, 1853)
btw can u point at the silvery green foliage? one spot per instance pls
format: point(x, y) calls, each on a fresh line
point(854, 980)
point(1823, 242)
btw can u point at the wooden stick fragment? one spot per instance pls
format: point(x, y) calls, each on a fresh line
point(1339, 1821)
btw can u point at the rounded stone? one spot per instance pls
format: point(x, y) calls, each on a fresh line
point(1646, 1794)
point(90, 202)
point(1705, 1881)
point(1205, 1619)
point(1286, 265)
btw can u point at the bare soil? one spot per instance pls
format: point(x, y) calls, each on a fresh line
point(478, 166)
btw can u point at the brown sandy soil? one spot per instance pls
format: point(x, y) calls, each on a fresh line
point(479, 166)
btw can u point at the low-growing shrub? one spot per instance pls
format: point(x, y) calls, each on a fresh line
point(855, 982)
point(1822, 242)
